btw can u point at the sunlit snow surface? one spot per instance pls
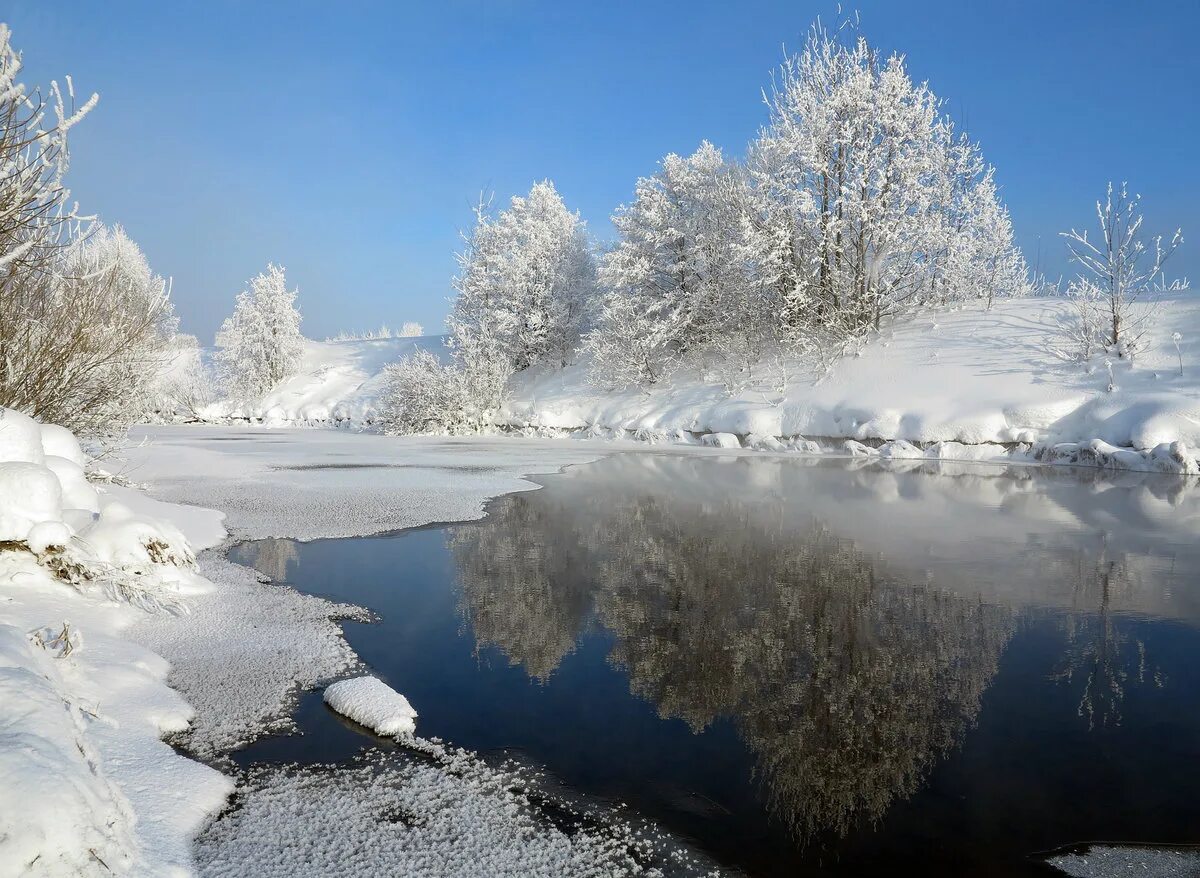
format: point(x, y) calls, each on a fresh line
point(309, 484)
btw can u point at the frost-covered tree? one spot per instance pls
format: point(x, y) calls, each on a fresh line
point(857, 202)
point(260, 344)
point(869, 204)
point(525, 287)
point(526, 281)
point(1120, 272)
point(674, 282)
point(82, 317)
point(411, 329)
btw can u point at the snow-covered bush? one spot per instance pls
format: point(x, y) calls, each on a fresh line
point(409, 329)
point(422, 395)
point(83, 319)
point(260, 344)
point(88, 343)
point(49, 509)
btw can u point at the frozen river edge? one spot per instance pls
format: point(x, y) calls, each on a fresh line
point(243, 654)
point(247, 650)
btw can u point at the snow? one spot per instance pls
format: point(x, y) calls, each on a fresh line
point(20, 438)
point(373, 703)
point(392, 815)
point(338, 383)
point(243, 653)
point(29, 494)
point(87, 786)
point(309, 484)
point(61, 443)
point(973, 377)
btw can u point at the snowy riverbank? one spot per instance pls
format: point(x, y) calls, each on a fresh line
point(970, 384)
point(87, 786)
point(243, 655)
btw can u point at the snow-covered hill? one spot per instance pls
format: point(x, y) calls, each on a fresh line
point(968, 376)
point(339, 382)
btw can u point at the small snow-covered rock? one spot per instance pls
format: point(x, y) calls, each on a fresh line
point(721, 440)
point(764, 443)
point(857, 449)
point(899, 449)
point(45, 534)
point(373, 703)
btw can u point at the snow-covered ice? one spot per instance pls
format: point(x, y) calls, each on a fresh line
point(390, 814)
point(372, 703)
point(310, 484)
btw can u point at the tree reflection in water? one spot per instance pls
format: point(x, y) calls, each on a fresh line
point(846, 681)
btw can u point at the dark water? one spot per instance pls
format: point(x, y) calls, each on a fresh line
point(809, 668)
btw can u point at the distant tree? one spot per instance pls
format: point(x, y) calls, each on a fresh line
point(411, 329)
point(1120, 273)
point(260, 344)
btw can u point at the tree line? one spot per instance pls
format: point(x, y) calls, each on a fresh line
point(857, 202)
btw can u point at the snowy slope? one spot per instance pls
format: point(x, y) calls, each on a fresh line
point(969, 376)
point(338, 382)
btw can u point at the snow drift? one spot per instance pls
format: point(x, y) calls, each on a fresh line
point(86, 785)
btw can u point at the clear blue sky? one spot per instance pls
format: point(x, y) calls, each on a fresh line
point(348, 140)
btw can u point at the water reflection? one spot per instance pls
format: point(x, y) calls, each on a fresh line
point(849, 623)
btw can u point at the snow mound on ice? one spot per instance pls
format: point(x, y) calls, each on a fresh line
point(373, 703)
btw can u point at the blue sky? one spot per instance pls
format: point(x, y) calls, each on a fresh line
point(347, 141)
